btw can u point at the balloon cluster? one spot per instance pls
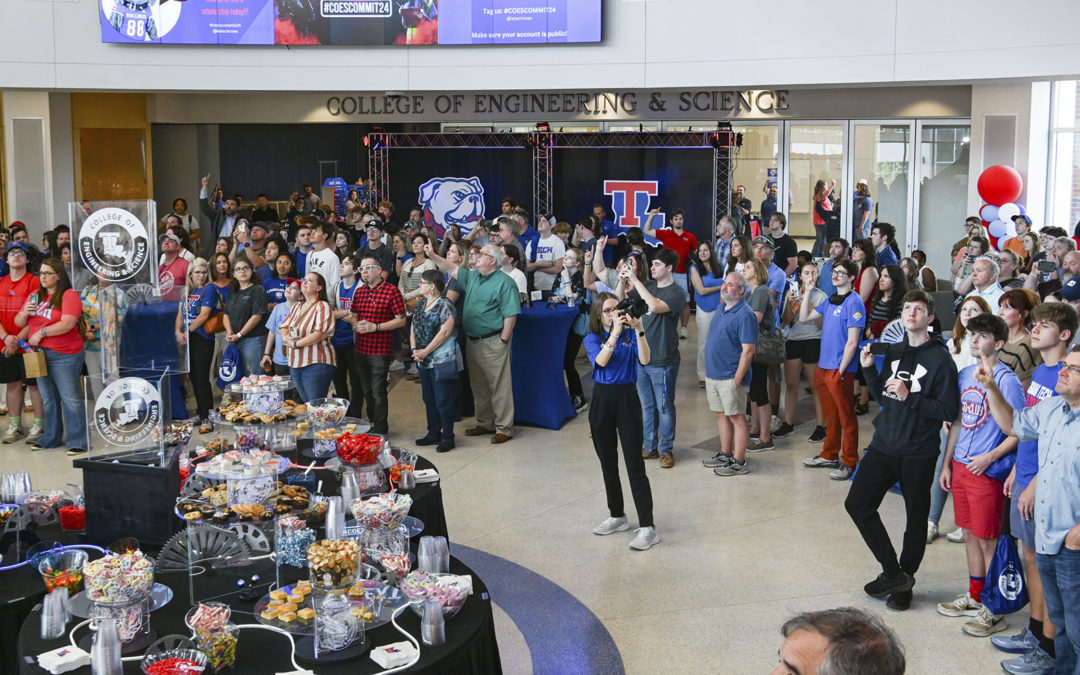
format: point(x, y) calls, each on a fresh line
point(999, 186)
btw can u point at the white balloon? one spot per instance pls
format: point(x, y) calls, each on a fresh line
point(997, 228)
point(1010, 230)
point(1007, 211)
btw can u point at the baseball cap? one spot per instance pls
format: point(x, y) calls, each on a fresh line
point(292, 280)
point(260, 224)
point(1023, 218)
point(1071, 290)
point(765, 241)
point(169, 235)
point(18, 244)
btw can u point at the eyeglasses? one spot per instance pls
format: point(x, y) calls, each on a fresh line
point(44, 273)
point(241, 269)
point(17, 252)
point(365, 268)
point(487, 254)
point(1075, 370)
point(840, 273)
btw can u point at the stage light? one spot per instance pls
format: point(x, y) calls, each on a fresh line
point(543, 127)
point(367, 141)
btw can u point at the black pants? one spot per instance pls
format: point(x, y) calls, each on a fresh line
point(573, 380)
point(614, 416)
point(201, 353)
point(371, 371)
point(877, 473)
point(466, 406)
point(346, 383)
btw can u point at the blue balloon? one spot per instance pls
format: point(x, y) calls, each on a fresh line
point(998, 228)
point(1023, 211)
point(988, 213)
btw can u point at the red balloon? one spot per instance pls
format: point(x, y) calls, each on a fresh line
point(1000, 184)
point(986, 223)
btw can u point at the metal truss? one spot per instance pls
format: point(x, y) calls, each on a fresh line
point(542, 166)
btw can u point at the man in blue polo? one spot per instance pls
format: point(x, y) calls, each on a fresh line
point(729, 349)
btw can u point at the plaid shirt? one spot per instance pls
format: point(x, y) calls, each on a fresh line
point(377, 305)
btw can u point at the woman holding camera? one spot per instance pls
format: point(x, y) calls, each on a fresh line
point(615, 415)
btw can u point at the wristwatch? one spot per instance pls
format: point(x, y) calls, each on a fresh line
point(42, 331)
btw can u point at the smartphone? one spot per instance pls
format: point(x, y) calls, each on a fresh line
point(879, 348)
point(241, 228)
point(1047, 266)
point(34, 298)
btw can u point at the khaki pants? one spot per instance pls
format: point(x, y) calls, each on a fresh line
point(493, 390)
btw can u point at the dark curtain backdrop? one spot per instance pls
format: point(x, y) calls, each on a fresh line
point(502, 172)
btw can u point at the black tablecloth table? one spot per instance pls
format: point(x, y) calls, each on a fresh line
point(536, 358)
point(427, 497)
point(471, 646)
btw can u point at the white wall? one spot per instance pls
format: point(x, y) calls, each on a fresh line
point(55, 44)
point(34, 105)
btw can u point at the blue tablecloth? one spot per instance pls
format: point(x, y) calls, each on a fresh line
point(540, 394)
point(149, 349)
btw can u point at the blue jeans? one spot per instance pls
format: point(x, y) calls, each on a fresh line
point(312, 381)
point(938, 496)
point(251, 352)
point(656, 388)
point(1060, 575)
point(62, 389)
point(440, 404)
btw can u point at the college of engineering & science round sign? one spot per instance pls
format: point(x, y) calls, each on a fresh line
point(128, 411)
point(114, 244)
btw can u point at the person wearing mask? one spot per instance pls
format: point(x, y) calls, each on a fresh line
point(434, 348)
point(706, 278)
point(305, 335)
point(377, 311)
point(544, 256)
point(245, 316)
point(657, 380)
point(15, 288)
point(802, 350)
point(202, 302)
point(275, 359)
point(615, 416)
point(53, 326)
point(680, 242)
point(917, 390)
point(569, 288)
point(842, 322)
point(284, 269)
point(219, 220)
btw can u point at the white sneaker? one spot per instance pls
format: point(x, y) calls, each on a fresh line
point(14, 432)
point(612, 525)
point(396, 366)
point(646, 538)
point(682, 332)
point(776, 423)
point(963, 605)
point(412, 369)
point(956, 536)
point(35, 433)
point(931, 531)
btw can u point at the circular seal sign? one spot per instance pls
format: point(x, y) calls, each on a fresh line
point(128, 411)
point(114, 244)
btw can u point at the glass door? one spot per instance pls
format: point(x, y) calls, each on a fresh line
point(940, 200)
point(881, 165)
point(757, 166)
point(815, 152)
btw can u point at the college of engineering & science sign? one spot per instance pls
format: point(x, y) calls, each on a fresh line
point(550, 106)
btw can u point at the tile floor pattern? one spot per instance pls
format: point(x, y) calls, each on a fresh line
point(739, 555)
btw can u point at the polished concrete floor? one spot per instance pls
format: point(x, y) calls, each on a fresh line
point(739, 555)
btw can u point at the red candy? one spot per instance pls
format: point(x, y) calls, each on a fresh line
point(73, 518)
point(359, 448)
point(174, 666)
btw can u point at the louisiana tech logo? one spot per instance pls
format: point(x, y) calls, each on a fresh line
point(1010, 582)
point(113, 243)
point(452, 201)
point(128, 411)
point(630, 202)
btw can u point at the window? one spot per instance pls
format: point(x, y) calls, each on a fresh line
point(1063, 200)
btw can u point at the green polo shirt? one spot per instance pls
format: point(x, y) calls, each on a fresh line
point(488, 300)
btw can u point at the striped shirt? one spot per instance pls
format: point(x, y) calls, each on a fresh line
point(303, 320)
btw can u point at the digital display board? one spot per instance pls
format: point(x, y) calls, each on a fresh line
point(350, 22)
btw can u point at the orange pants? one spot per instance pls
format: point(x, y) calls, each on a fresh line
point(838, 406)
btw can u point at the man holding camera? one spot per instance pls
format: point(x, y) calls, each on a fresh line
point(656, 382)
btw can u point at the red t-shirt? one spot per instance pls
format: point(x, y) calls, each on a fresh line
point(70, 305)
point(171, 279)
point(682, 244)
point(13, 296)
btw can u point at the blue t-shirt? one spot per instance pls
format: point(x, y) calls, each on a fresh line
point(824, 281)
point(979, 433)
point(343, 330)
point(277, 315)
point(207, 296)
point(612, 231)
point(708, 303)
point(835, 322)
point(622, 367)
point(275, 290)
point(778, 285)
point(301, 263)
point(768, 207)
point(264, 273)
point(859, 207)
point(729, 331)
point(1043, 381)
point(887, 257)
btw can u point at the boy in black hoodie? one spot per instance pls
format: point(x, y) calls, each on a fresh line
point(917, 390)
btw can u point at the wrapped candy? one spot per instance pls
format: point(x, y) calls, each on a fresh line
point(119, 577)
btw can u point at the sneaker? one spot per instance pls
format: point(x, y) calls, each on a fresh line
point(842, 472)
point(649, 455)
point(862, 408)
point(759, 446)
point(963, 605)
point(931, 531)
point(1034, 662)
point(36, 446)
point(956, 536)
point(1021, 643)
point(445, 446)
point(899, 601)
point(667, 460)
point(14, 432)
point(718, 460)
point(612, 525)
point(735, 468)
point(885, 585)
point(775, 423)
point(76, 452)
point(35, 433)
point(579, 403)
point(783, 430)
point(396, 366)
point(646, 538)
point(984, 624)
point(818, 436)
point(819, 462)
point(701, 384)
point(682, 332)
point(412, 369)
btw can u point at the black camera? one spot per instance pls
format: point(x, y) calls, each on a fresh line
point(635, 307)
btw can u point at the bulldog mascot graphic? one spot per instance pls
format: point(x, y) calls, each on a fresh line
point(452, 201)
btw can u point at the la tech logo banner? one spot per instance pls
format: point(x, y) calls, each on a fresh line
point(630, 201)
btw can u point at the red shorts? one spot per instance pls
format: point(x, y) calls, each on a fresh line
point(978, 502)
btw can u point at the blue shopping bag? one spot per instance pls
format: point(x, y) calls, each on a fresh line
point(1005, 591)
point(230, 370)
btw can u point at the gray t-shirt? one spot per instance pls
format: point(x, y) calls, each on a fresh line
point(808, 330)
point(761, 301)
point(662, 330)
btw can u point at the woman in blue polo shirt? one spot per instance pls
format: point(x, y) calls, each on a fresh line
point(616, 415)
point(202, 302)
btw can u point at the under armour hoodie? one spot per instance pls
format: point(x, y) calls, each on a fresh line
point(909, 428)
